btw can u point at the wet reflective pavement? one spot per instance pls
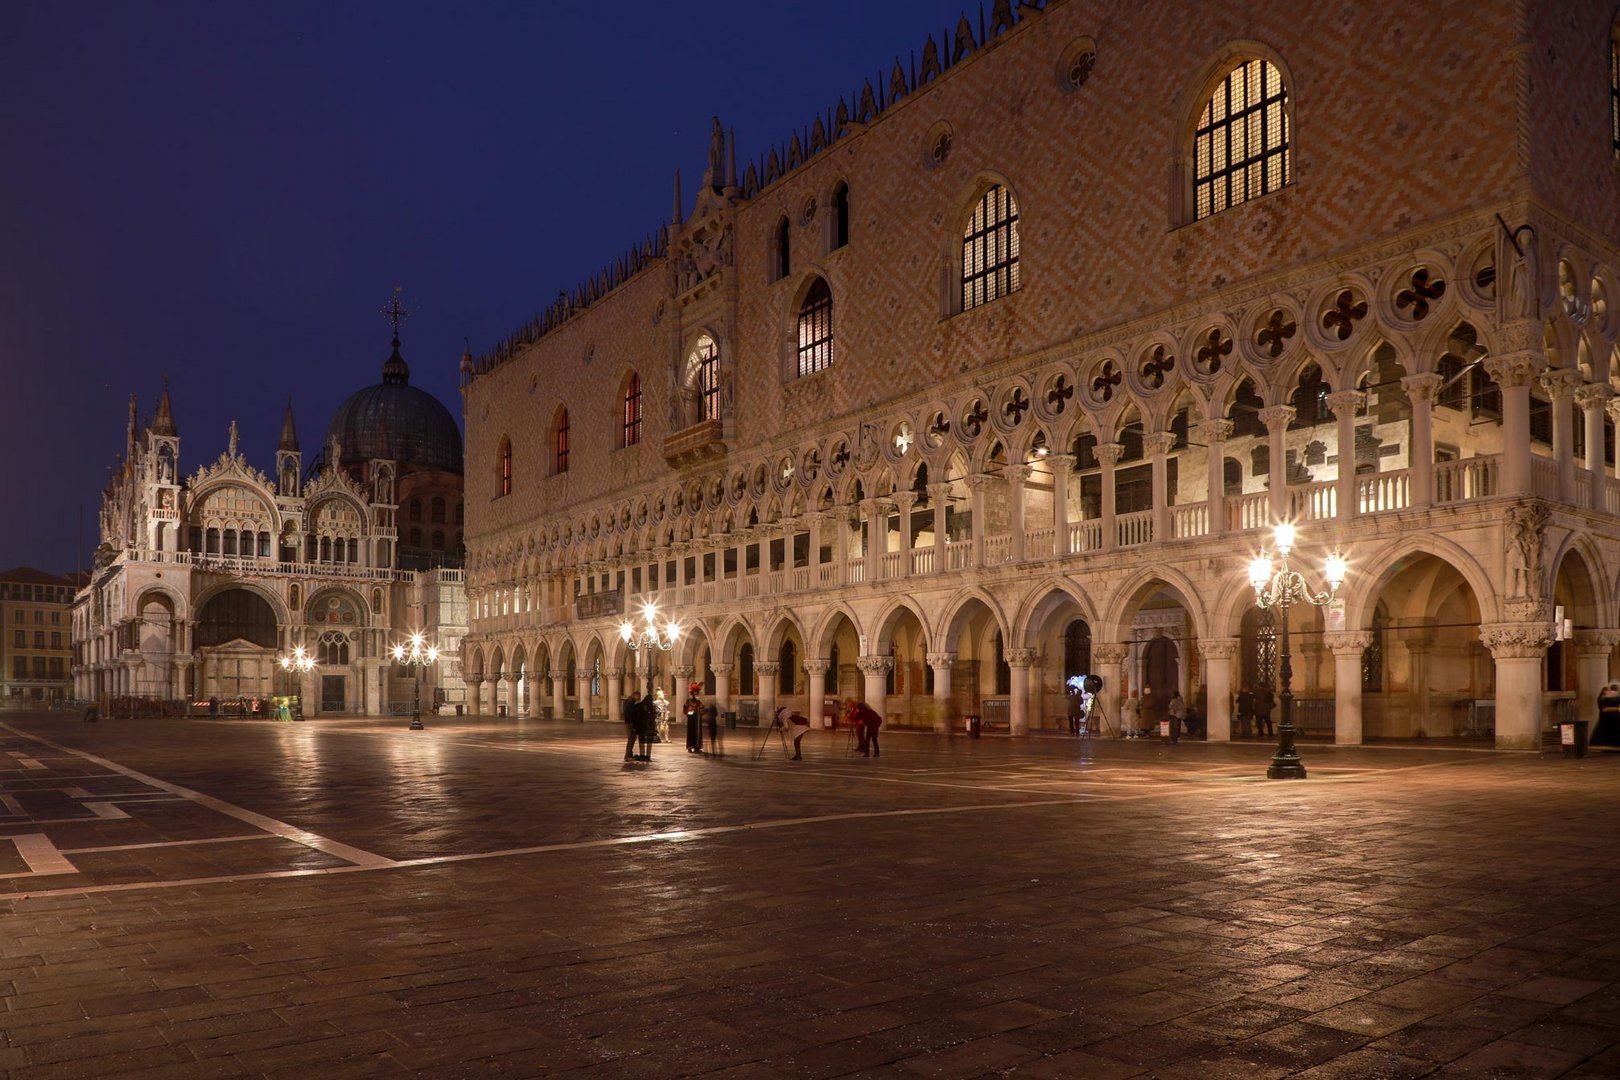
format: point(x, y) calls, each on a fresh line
point(510, 898)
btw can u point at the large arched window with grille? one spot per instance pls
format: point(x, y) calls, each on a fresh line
point(1259, 647)
point(1241, 145)
point(816, 329)
point(787, 659)
point(703, 368)
point(990, 249)
point(560, 442)
point(630, 418)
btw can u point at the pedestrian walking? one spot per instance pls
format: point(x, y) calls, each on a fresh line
point(1245, 710)
point(694, 719)
point(646, 726)
point(1178, 716)
point(711, 717)
point(1077, 710)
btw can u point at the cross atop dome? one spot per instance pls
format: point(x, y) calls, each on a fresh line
point(395, 371)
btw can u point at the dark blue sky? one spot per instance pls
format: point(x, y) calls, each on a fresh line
point(228, 193)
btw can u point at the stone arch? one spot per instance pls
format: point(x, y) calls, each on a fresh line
point(1370, 574)
point(1049, 596)
point(957, 611)
point(199, 601)
point(826, 628)
point(177, 601)
point(1139, 586)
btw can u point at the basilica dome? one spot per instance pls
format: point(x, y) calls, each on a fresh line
point(397, 421)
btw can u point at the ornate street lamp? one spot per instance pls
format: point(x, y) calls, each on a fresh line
point(1277, 585)
point(300, 661)
point(650, 635)
point(416, 654)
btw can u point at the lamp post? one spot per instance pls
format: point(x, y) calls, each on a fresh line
point(649, 636)
point(300, 661)
point(1278, 585)
point(416, 654)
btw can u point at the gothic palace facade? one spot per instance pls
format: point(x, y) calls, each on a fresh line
point(203, 582)
point(999, 373)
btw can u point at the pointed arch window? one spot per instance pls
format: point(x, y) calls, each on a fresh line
point(1003, 669)
point(705, 370)
point(816, 329)
point(781, 251)
point(745, 669)
point(1241, 145)
point(990, 267)
point(829, 683)
point(630, 420)
point(560, 443)
point(788, 658)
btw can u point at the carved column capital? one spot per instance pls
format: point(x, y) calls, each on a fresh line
point(1516, 641)
point(1593, 396)
point(1560, 382)
point(1596, 642)
point(1340, 642)
point(1016, 474)
point(1345, 402)
point(874, 665)
point(1108, 453)
point(613, 673)
point(1219, 648)
point(939, 492)
point(1512, 370)
point(767, 670)
point(941, 659)
point(1214, 431)
point(1276, 417)
point(1019, 658)
point(682, 672)
point(721, 671)
point(1110, 654)
point(979, 482)
point(1421, 387)
point(1158, 443)
point(817, 666)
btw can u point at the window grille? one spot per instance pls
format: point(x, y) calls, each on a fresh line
point(1076, 651)
point(816, 329)
point(1259, 659)
point(561, 448)
point(708, 378)
point(990, 249)
point(632, 411)
point(1614, 93)
point(1241, 143)
point(1372, 657)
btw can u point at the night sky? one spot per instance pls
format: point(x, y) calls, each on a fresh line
point(227, 194)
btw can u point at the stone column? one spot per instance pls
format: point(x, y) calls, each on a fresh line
point(1016, 476)
point(1215, 433)
point(559, 693)
point(1420, 452)
point(941, 663)
point(1419, 640)
point(814, 521)
point(1560, 384)
point(1062, 466)
point(1513, 373)
point(1594, 401)
point(722, 686)
point(815, 673)
point(582, 691)
point(1520, 650)
point(977, 485)
point(875, 669)
point(1347, 647)
point(939, 496)
point(1108, 456)
point(1019, 660)
point(1108, 660)
point(615, 694)
point(903, 502)
point(683, 678)
point(1157, 446)
point(765, 684)
point(1592, 651)
point(877, 527)
point(1345, 404)
point(1276, 418)
point(1218, 654)
point(475, 694)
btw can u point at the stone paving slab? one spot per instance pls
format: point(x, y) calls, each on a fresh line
point(509, 898)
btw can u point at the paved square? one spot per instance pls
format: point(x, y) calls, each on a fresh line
point(509, 898)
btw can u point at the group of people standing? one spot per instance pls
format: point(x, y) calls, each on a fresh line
point(1254, 706)
point(647, 721)
point(1140, 716)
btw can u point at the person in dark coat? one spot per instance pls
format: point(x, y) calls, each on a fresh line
point(694, 720)
point(711, 717)
point(1264, 702)
point(1245, 710)
point(869, 722)
point(647, 725)
point(1607, 731)
point(1077, 710)
point(632, 726)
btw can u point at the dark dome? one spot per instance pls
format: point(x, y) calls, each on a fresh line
point(395, 420)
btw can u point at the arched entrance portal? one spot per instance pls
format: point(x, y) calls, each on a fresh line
point(1433, 676)
point(236, 644)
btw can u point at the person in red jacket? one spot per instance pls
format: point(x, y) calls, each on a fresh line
point(866, 722)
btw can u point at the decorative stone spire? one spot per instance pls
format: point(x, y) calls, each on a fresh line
point(289, 434)
point(233, 438)
point(675, 214)
point(731, 158)
point(163, 422)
